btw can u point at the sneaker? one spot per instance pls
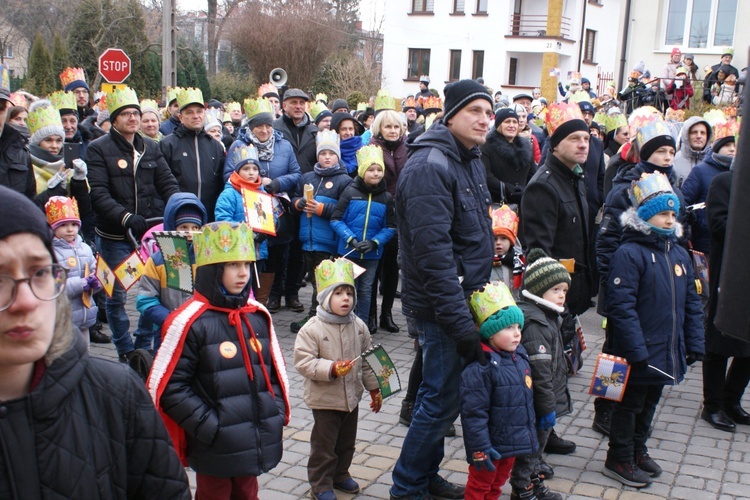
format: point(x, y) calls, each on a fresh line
point(348, 486)
point(274, 304)
point(559, 446)
point(647, 464)
point(524, 494)
point(296, 326)
point(541, 491)
point(324, 495)
point(627, 473)
point(439, 488)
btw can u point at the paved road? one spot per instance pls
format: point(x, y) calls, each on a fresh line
point(699, 462)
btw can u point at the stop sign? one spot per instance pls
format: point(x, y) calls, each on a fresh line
point(114, 65)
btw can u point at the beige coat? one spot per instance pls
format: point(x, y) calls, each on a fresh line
point(318, 345)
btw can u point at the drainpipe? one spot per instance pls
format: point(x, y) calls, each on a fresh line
point(582, 39)
point(624, 48)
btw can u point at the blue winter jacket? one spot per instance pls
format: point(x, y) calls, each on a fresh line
point(497, 405)
point(229, 207)
point(283, 167)
point(364, 213)
point(316, 233)
point(653, 307)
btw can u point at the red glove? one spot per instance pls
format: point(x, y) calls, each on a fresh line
point(377, 400)
point(341, 368)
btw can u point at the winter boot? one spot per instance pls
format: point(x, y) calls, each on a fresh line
point(524, 494)
point(627, 472)
point(266, 281)
point(407, 407)
point(603, 409)
point(387, 323)
point(541, 491)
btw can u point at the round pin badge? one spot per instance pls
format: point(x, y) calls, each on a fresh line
point(122, 163)
point(72, 262)
point(228, 349)
point(528, 381)
point(329, 185)
point(256, 345)
point(678, 270)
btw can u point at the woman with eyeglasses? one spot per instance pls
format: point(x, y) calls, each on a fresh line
point(70, 425)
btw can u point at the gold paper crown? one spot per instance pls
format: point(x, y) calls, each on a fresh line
point(580, 96)
point(150, 104)
point(410, 103)
point(321, 97)
point(503, 217)
point(729, 111)
point(484, 303)
point(648, 186)
point(361, 106)
point(61, 209)
point(560, 113)
point(63, 100)
point(613, 122)
point(641, 117)
point(245, 154)
point(70, 75)
point(327, 140)
point(18, 99)
point(103, 102)
point(254, 107)
point(44, 115)
point(266, 88)
point(384, 100)
point(674, 115)
point(728, 50)
point(226, 118)
point(172, 93)
point(224, 242)
point(334, 273)
point(654, 129)
point(714, 116)
point(120, 98)
point(316, 108)
point(4, 77)
point(233, 106)
point(369, 155)
point(432, 104)
point(728, 128)
point(188, 96)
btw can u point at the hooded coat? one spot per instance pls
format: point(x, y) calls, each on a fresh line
point(686, 158)
point(509, 167)
point(283, 167)
point(76, 257)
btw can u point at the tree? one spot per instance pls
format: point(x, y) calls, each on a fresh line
point(345, 73)
point(191, 70)
point(40, 78)
point(59, 55)
point(47, 17)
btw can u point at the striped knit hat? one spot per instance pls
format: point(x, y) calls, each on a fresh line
point(543, 272)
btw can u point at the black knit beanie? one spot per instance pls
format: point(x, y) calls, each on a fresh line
point(339, 104)
point(648, 148)
point(567, 128)
point(459, 94)
point(503, 114)
point(719, 143)
point(27, 218)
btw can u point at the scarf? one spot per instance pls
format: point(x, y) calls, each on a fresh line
point(327, 172)
point(723, 160)
point(390, 145)
point(660, 231)
point(265, 149)
point(324, 306)
point(44, 159)
point(238, 183)
point(349, 148)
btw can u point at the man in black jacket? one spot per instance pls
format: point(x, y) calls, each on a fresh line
point(296, 127)
point(195, 158)
point(445, 235)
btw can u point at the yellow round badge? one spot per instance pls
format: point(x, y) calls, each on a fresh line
point(329, 185)
point(678, 270)
point(122, 163)
point(228, 349)
point(528, 381)
point(256, 345)
point(72, 262)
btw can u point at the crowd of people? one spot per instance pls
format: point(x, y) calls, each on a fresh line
point(503, 220)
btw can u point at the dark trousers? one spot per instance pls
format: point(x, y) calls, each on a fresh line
point(722, 388)
point(313, 260)
point(631, 421)
point(387, 275)
point(332, 441)
point(285, 261)
point(415, 376)
point(226, 488)
point(527, 466)
point(486, 485)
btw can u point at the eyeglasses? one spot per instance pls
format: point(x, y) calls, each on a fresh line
point(81, 92)
point(129, 114)
point(46, 283)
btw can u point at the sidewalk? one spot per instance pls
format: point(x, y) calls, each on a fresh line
point(699, 462)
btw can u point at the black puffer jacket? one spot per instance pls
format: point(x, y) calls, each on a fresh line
point(87, 430)
point(117, 189)
point(509, 167)
point(302, 137)
point(444, 230)
point(233, 425)
point(197, 162)
point(15, 163)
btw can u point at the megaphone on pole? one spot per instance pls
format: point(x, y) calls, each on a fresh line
point(278, 77)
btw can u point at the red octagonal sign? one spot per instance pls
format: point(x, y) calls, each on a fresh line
point(114, 65)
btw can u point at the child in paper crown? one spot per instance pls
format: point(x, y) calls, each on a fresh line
point(155, 300)
point(76, 257)
point(657, 321)
point(219, 378)
point(497, 399)
point(545, 285)
point(507, 265)
point(365, 220)
point(325, 353)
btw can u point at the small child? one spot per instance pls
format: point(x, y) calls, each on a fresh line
point(328, 179)
point(497, 405)
point(507, 265)
point(155, 300)
point(365, 220)
point(77, 258)
point(545, 286)
point(656, 318)
point(680, 89)
point(219, 378)
point(325, 353)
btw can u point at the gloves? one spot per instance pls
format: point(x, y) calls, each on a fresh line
point(377, 400)
point(85, 284)
point(365, 246)
point(301, 204)
point(470, 349)
point(80, 169)
point(484, 459)
point(640, 365)
point(138, 225)
point(546, 422)
point(692, 357)
point(341, 368)
point(352, 242)
point(93, 282)
point(60, 178)
point(259, 238)
point(273, 187)
point(690, 217)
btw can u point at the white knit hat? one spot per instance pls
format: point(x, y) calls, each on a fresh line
point(44, 121)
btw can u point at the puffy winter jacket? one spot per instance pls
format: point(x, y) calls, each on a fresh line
point(364, 213)
point(283, 167)
point(497, 405)
point(74, 258)
point(123, 185)
point(394, 160)
point(302, 139)
point(686, 158)
point(197, 162)
point(655, 311)
point(169, 126)
point(230, 207)
point(509, 167)
point(15, 162)
point(88, 429)
point(444, 230)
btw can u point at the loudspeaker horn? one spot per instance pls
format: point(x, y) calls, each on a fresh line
point(278, 77)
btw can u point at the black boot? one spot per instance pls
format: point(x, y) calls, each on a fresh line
point(387, 324)
point(96, 336)
point(407, 407)
point(372, 323)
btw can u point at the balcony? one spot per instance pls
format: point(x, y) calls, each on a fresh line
point(536, 26)
point(528, 34)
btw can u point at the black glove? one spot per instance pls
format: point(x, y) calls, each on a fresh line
point(273, 187)
point(640, 365)
point(470, 349)
point(138, 225)
point(365, 246)
point(690, 217)
point(692, 357)
point(353, 242)
point(259, 238)
point(301, 204)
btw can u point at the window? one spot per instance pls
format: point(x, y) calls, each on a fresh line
point(422, 6)
point(481, 6)
point(458, 6)
point(512, 71)
point(455, 70)
point(589, 47)
point(477, 67)
point(8, 52)
point(419, 63)
point(700, 24)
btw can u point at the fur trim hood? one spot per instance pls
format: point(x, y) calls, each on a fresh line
point(542, 302)
point(630, 219)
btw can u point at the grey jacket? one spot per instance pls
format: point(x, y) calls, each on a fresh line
point(686, 158)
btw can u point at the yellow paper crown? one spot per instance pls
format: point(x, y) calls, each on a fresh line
point(410, 103)
point(4, 77)
point(188, 96)
point(63, 100)
point(580, 96)
point(61, 209)
point(503, 219)
point(224, 242)
point(233, 106)
point(265, 89)
point(557, 114)
point(369, 155)
point(384, 100)
point(321, 97)
point(226, 117)
point(316, 108)
point(727, 50)
point(172, 93)
point(494, 297)
point(43, 115)
point(641, 117)
point(600, 117)
point(654, 129)
point(150, 104)
point(648, 186)
point(361, 106)
point(120, 98)
point(674, 115)
point(70, 75)
point(432, 104)
point(334, 273)
point(613, 122)
point(18, 99)
point(327, 140)
point(724, 129)
point(254, 107)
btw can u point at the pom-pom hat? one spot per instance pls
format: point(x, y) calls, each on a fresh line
point(494, 309)
point(542, 273)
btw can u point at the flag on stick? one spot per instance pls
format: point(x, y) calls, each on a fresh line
point(105, 276)
point(610, 377)
point(384, 369)
point(176, 251)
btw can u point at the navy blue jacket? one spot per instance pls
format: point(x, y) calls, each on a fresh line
point(497, 405)
point(283, 167)
point(655, 311)
point(444, 230)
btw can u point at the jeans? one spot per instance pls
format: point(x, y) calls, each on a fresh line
point(114, 252)
point(631, 421)
point(435, 409)
point(364, 287)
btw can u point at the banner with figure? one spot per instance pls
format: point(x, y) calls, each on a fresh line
point(176, 252)
point(384, 369)
point(259, 211)
point(610, 377)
